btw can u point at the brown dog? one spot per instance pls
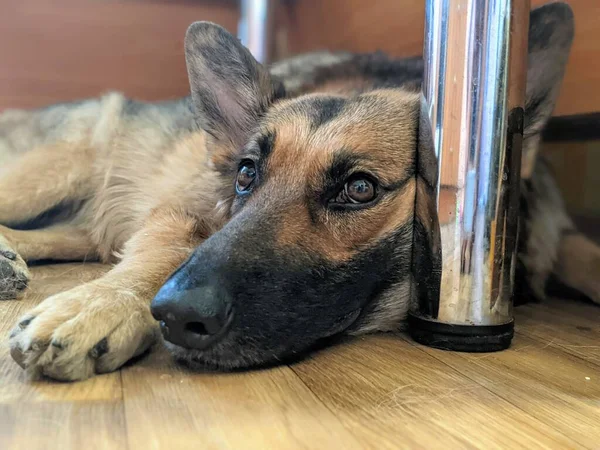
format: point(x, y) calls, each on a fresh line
point(266, 212)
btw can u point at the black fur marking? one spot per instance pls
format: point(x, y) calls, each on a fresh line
point(259, 151)
point(324, 110)
point(426, 162)
point(345, 163)
point(399, 184)
point(59, 213)
point(319, 110)
point(101, 348)
point(341, 167)
point(540, 36)
point(265, 143)
point(426, 257)
point(286, 299)
point(427, 274)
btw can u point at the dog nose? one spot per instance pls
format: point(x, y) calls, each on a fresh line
point(195, 318)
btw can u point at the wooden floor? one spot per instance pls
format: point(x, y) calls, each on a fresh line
point(377, 392)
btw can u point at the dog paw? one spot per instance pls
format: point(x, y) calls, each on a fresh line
point(14, 275)
point(88, 330)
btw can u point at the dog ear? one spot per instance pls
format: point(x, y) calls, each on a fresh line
point(230, 89)
point(427, 247)
point(551, 29)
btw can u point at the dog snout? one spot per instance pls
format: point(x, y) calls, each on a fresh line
point(193, 318)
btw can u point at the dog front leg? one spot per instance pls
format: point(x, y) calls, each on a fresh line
point(65, 242)
point(45, 178)
point(97, 327)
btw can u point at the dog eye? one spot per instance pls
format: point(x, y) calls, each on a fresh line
point(245, 177)
point(357, 190)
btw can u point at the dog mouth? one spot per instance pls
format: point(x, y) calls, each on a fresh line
point(241, 351)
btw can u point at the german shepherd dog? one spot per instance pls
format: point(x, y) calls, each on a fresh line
point(269, 210)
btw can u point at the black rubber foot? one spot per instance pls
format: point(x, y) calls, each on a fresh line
point(460, 338)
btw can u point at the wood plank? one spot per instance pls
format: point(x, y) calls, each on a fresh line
point(558, 389)
point(571, 327)
point(171, 408)
point(65, 425)
point(395, 395)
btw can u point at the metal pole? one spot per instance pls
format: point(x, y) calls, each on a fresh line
point(474, 87)
point(256, 28)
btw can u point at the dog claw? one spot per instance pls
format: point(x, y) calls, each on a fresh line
point(37, 346)
point(101, 348)
point(25, 322)
point(18, 355)
point(10, 255)
point(14, 276)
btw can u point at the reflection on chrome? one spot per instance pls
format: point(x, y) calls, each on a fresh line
point(475, 63)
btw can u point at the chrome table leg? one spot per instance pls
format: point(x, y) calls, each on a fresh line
point(256, 28)
point(474, 83)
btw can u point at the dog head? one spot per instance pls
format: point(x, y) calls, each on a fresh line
point(320, 191)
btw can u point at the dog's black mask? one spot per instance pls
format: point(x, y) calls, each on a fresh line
point(281, 301)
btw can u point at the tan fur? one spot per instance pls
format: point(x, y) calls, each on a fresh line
point(65, 242)
point(28, 196)
point(135, 182)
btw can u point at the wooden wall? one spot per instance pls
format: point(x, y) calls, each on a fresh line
point(57, 50)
